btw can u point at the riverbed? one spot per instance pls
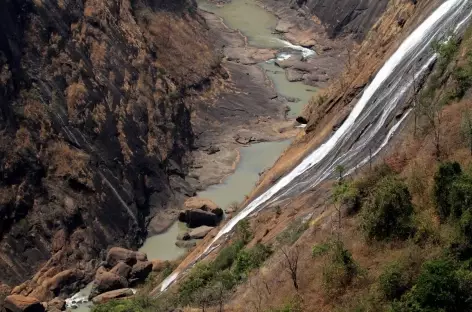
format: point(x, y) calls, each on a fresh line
point(258, 26)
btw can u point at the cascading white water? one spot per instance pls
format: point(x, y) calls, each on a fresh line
point(452, 15)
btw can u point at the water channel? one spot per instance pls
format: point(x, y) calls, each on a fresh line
point(258, 25)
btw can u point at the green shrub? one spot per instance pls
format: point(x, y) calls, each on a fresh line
point(446, 174)
point(320, 249)
point(394, 281)
point(347, 195)
point(251, 259)
point(227, 256)
point(460, 195)
point(340, 270)
point(440, 287)
point(388, 210)
point(366, 184)
point(293, 232)
point(243, 231)
point(294, 305)
point(199, 277)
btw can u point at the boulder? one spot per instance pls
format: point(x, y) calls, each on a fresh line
point(283, 26)
point(197, 217)
point(201, 203)
point(56, 303)
point(114, 294)
point(140, 271)
point(183, 236)
point(19, 303)
point(200, 232)
point(118, 254)
point(293, 75)
point(107, 281)
point(121, 269)
point(185, 244)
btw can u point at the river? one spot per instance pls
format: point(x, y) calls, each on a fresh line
point(258, 26)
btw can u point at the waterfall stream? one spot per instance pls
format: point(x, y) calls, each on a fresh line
point(371, 123)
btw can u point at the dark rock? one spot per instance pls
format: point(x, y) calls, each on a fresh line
point(293, 75)
point(121, 269)
point(140, 271)
point(302, 120)
point(19, 303)
point(197, 217)
point(183, 236)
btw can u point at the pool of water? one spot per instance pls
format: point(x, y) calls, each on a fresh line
point(296, 90)
point(254, 22)
point(163, 246)
point(254, 159)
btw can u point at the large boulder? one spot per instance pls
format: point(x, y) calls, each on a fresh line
point(19, 303)
point(114, 294)
point(121, 269)
point(140, 271)
point(107, 281)
point(197, 217)
point(200, 232)
point(204, 204)
point(118, 254)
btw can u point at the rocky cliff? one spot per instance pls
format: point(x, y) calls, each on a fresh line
point(94, 127)
point(344, 17)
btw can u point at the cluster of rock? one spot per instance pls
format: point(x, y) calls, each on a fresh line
point(201, 215)
point(122, 269)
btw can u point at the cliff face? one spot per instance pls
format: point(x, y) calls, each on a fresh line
point(345, 17)
point(94, 125)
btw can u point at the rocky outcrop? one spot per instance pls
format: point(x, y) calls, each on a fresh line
point(19, 303)
point(186, 244)
point(95, 128)
point(114, 294)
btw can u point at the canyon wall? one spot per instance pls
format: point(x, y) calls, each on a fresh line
point(95, 126)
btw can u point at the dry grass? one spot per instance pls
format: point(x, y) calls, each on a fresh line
point(68, 162)
point(76, 94)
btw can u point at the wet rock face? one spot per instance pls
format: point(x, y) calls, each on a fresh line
point(345, 16)
point(94, 126)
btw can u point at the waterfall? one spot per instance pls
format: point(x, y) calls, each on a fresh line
point(367, 127)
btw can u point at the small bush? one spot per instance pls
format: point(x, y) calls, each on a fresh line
point(340, 271)
point(293, 232)
point(227, 256)
point(388, 210)
point(251, 259)
point(243, 231)
point(320, 249)
point(447, 173)
point(394, 281)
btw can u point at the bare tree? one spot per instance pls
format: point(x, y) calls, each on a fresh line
point(432, 110)
point(291, 259)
